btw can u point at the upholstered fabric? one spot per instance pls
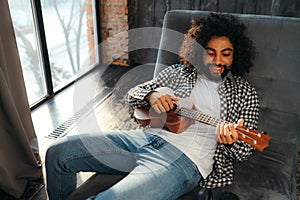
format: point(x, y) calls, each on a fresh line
point(276, 73)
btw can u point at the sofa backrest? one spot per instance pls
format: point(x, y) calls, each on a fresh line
point(275, 75)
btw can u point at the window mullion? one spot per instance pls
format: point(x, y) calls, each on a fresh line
point(38, 16)
point(98, 21)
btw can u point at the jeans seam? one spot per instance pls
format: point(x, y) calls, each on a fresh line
point(188, 180)
point(147, 144)
point(88, 155)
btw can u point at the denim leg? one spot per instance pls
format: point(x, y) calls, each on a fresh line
point(110, 152)
point(163, 172)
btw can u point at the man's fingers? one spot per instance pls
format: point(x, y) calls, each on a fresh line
point(159, 108)
point(234, 133)
point(164, 106)
point(156, 108)
point(168, 102)
point(175, 99)
point(164, 103)
point(226, 133)
point(240, 122)
point(221, 134)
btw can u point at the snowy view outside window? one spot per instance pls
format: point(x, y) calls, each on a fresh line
point(65, 24)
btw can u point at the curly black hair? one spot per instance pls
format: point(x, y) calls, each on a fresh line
point(217, 24)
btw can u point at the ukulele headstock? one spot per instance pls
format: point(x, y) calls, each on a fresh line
point(258, 140)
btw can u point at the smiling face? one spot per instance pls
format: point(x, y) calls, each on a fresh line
point(219, 56)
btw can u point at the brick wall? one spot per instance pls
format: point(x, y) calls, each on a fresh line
point(114, 27)
point(90, 29)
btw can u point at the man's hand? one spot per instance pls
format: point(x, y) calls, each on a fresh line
point(227, 133)
point(161, 102)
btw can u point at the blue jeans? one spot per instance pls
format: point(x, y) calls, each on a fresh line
point(155, 169)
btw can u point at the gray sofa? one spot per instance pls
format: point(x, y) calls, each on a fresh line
point(276, 76)
point(270, 174)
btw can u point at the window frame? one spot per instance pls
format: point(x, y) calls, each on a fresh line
point(43, 50)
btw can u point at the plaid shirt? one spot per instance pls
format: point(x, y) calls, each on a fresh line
point(238, 101)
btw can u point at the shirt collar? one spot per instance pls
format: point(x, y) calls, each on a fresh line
point(187, 71)
point(228, 76)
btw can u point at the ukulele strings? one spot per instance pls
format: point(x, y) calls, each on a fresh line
point(207, 119)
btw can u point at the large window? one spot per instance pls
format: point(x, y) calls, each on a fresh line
point(54, 41)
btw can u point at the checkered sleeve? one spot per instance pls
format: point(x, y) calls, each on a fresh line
point(136, 96)
point(249, 111)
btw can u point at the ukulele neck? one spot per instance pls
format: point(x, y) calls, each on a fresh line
point(199, 116)
point(250, 136)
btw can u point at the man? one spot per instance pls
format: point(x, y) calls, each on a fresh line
point(159, 163)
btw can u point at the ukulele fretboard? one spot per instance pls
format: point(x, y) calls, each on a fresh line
point(199, 116)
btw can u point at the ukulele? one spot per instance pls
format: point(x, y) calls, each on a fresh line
point(180, 118)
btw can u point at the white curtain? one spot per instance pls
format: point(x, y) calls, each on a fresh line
point(19, 156)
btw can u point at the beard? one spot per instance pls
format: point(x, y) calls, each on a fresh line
point(205, 70)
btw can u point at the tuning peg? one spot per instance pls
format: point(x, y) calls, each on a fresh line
point(264, 132)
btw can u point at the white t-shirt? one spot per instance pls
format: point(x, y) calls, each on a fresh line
point(199, 141)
